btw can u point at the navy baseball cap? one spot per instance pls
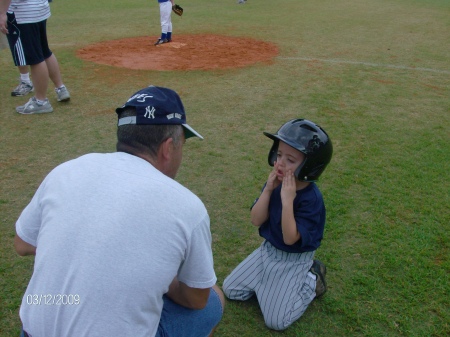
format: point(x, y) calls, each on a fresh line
point(157, 106)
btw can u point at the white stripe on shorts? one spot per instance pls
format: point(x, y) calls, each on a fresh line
point(18, 50)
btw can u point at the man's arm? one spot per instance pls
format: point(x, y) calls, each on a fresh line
point(192, 298)
point(23, 248)
point(4, 5)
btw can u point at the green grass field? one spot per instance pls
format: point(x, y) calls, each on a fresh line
point(374, 74)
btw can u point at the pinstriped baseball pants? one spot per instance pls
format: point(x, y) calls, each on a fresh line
point(281, 281)
point(165, 11)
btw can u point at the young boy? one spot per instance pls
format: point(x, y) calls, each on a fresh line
point(290, 214)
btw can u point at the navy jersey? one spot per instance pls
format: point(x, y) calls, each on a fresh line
point(309, 214)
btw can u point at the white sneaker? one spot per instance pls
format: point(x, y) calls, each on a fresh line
point(62, 94)
point(33, 107)
point(22, 89)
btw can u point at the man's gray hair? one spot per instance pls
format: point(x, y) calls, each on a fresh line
point(145, 138)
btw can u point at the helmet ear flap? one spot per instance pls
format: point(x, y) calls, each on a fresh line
point(298, 171)
point(273, 153)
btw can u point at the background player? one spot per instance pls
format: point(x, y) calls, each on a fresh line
point(165, 12)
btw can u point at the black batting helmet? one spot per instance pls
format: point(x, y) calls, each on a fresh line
point(308, 138)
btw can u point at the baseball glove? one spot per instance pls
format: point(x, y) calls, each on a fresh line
point(177, 9)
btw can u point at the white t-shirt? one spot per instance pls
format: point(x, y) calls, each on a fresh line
point(111, 233)
point(30, 11)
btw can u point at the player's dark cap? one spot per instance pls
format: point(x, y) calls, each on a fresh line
point(156, 106)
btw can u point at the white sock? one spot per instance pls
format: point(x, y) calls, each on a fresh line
point(25, 78)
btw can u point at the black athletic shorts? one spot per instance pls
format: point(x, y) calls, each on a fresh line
point(28, 41)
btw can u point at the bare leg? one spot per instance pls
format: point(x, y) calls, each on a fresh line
point(39, 73)
point(53, 71)
point(23, 69)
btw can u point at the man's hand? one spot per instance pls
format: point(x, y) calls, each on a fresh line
point(4, 5)
point(3, 23)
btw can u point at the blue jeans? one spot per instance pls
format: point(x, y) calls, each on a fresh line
point(177, 321)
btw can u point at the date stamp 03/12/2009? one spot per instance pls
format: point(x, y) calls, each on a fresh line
point(50, 299)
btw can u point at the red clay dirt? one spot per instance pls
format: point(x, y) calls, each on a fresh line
point(185, 52)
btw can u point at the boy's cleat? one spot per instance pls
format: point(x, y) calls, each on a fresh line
point(319, 269)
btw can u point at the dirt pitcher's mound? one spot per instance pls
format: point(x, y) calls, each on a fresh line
point(185, 52)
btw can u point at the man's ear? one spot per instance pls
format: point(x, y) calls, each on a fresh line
point(165, 150)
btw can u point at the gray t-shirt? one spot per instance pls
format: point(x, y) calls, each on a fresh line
point(111, 233)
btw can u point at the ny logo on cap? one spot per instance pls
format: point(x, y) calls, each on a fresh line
point(150, 112)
